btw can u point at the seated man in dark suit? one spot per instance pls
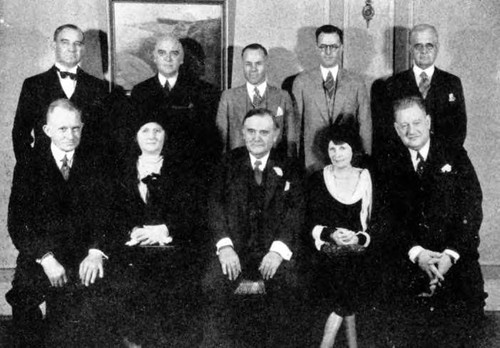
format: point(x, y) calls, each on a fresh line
point(255, 215)
point(433, 278)
point(53, 217)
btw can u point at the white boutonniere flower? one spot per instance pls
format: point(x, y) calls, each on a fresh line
point(287, 186)
point(446, 168)
point(279, 112)
point(451, 98)
point(278, 171)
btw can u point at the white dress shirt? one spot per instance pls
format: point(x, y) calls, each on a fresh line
point(325, 71)
point(261, 88)
point(418, 71)
point(171, 80)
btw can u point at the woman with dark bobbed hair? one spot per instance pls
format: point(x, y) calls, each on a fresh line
point(338, 213)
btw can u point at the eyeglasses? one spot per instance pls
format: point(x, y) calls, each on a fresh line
point(326, 48)
point(422, 47)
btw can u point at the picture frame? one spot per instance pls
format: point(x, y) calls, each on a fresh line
point(200, 25)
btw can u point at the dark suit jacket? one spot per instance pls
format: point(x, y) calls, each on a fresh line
point(442, 210)
point(445, 103)
point(189, 115)
point(234, 105)
point(36, 95)
point(170, 202)
point(228, 204)
point(351, 98)
point(48, 214)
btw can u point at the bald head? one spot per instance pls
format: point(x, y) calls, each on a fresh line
point(168, 55)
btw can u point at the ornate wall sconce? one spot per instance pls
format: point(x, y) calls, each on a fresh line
point(368, 12)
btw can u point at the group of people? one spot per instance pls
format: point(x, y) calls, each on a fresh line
point(134, 213)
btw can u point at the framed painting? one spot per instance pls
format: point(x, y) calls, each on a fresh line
point(200, 25)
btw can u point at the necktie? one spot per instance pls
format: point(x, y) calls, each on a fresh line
point(420, 164)
point(65, 168)
point(257, 173)
point(424, 84)
point(166, 88)
point(65, 74)
point(257, 98)
point(329, 85)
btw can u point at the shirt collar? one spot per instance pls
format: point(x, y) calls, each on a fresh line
point(263, 160)
point(334, 70)
point(417, 71)
point(59, 154)
point(171, 80)
point(424, 152)
point(63, 68)
point(261, 88)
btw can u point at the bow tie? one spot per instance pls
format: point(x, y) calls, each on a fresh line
point(65, 74)
point(150, 178)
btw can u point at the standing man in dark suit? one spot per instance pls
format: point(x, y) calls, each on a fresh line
point(442, 92)
point(326, 93)
point(255, 215)
point(53, 221)
point(434, 281)
point(186, 104)
point(236, 102)
point(64, 80)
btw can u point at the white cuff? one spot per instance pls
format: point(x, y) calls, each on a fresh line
point(453, 254)
point(97, 251)
point(414, 252)
point(316, 233)
point(224, 242)
point(282, 249)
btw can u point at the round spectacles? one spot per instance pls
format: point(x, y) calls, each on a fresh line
point(326, 48)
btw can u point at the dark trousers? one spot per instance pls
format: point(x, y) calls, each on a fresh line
point(249, 320)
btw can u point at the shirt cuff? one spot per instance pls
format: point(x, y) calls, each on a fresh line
point(40, 260)
point(414, 252)
point(97, 252)
point(453, 254)
point(316, 233)
point(224, 242)
point(281, 248)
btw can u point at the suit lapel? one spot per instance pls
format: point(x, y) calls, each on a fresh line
point(271, 183)
point(340, 92)
point(319, 93)
point(54, 86)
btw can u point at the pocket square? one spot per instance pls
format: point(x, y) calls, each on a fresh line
point(287, 186)
point(278, 171)
point(279, 112)
point(451, 98)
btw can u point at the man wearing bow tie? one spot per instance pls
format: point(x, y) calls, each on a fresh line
point(54, 222)
point(255, 93)
point(442, 92)
point(255, 215)
point(64, 80)
point(324, 93)
point(431, 269)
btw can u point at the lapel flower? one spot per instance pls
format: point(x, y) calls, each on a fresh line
point(451, 98)
point(287, 186)
point(446, 168)
point(278, 171)
point(279, 112)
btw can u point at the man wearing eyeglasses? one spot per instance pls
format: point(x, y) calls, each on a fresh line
point(441, 91)
point(324, 94)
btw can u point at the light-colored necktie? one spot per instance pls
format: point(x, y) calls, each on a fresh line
point(257, 98)
point(329, 85)
point(65, 168)
point(424, 84)
point(257, 173)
